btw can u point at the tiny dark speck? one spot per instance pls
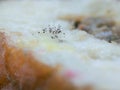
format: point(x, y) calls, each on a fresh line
point(52, 37)
point(56, 36)
point(59, 31)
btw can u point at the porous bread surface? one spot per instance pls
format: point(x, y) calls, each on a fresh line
point(21, 71)
point(79, 57)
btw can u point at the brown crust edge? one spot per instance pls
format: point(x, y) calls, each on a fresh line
point(21, 71)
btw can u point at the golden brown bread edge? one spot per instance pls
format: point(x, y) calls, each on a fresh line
point(21, 71)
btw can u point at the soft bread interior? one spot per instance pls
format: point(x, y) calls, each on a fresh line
point(81, 58)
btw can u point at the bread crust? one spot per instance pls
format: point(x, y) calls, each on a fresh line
point(21, 71)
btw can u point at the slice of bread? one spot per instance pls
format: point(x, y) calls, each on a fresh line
point(38, 51)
